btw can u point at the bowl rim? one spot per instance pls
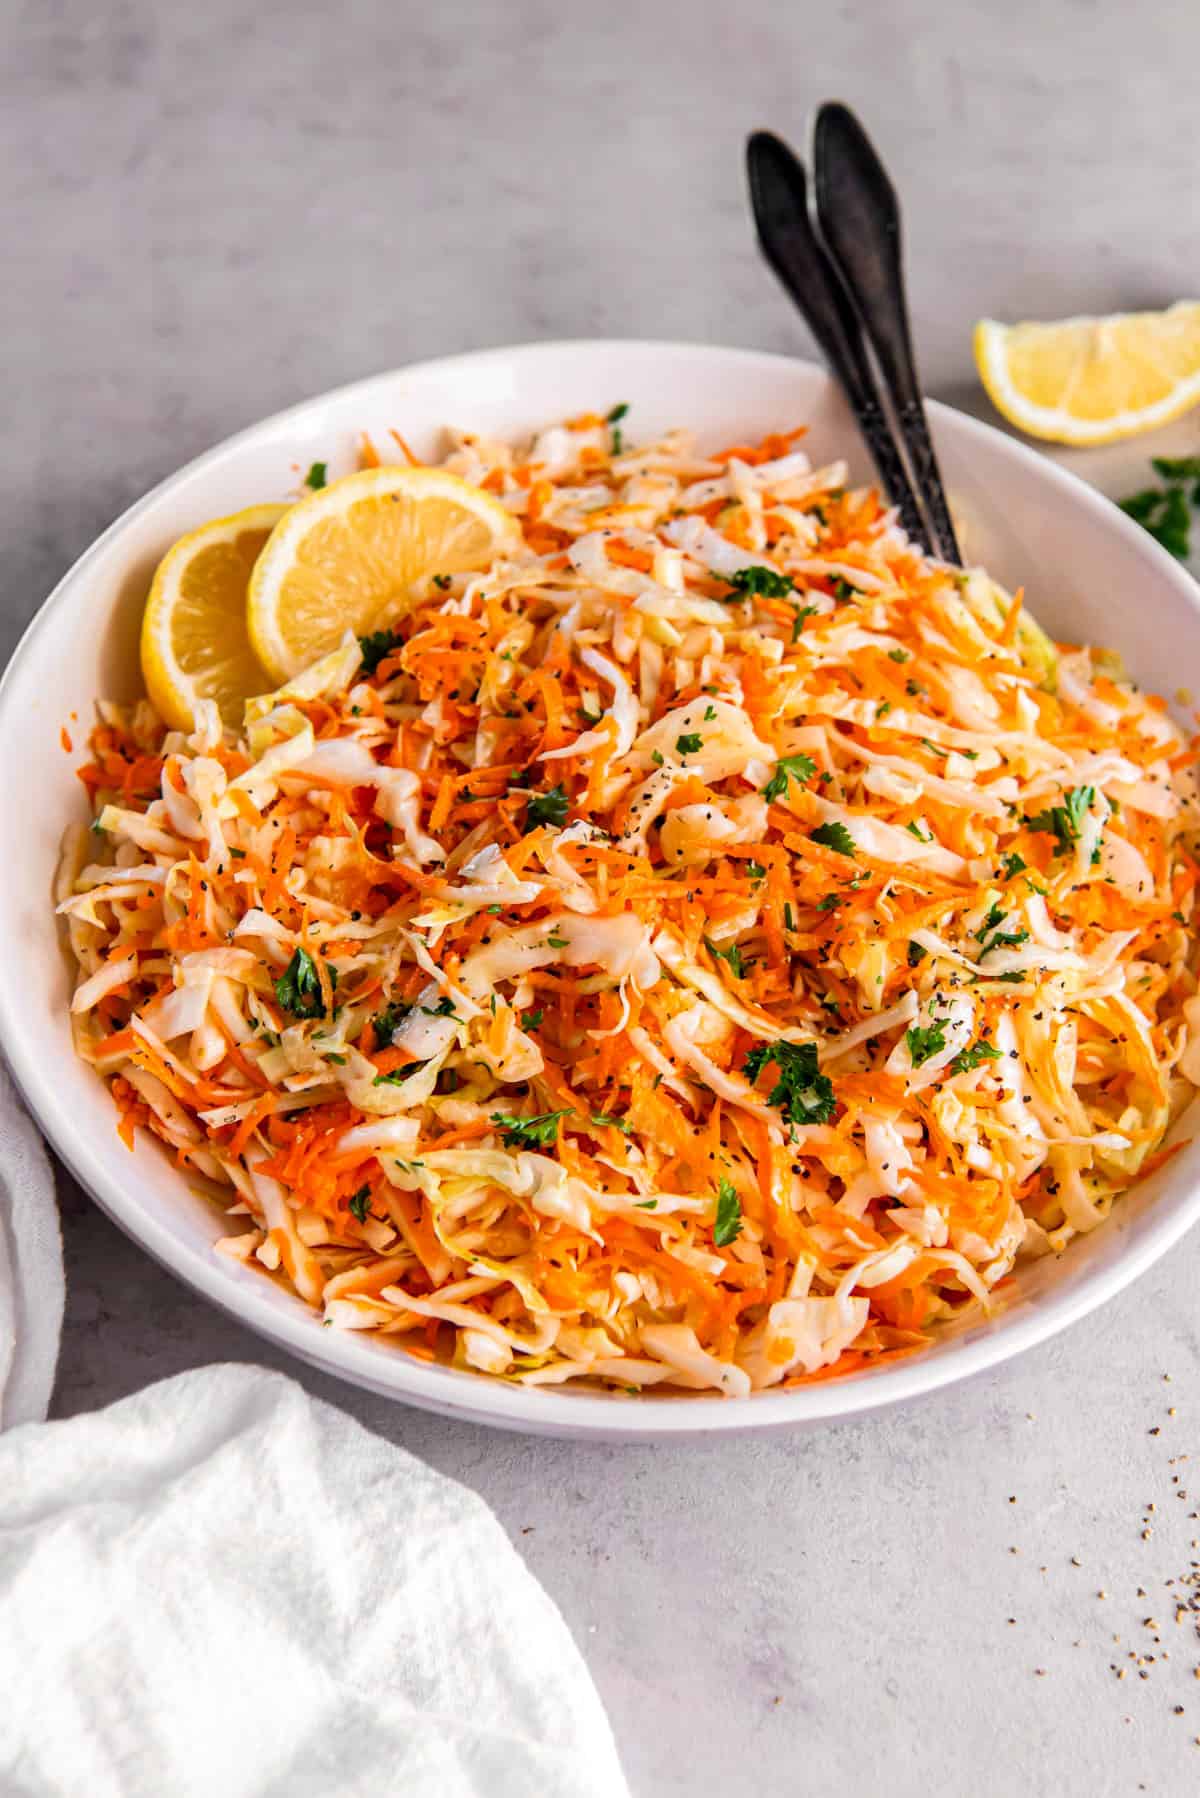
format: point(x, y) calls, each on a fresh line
point(475, 1397)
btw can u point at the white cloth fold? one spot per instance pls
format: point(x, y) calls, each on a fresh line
point(31, 1268)
point(223, 1587)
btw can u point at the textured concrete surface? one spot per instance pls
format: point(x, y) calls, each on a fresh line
point(210, 212)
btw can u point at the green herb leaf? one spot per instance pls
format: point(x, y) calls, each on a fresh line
point(443, 1009)
point(442, 582)
point(802, 612)
point(614, 418)
point(548, 808)
point(1064, 822)
point(974, 1058)
point(759, 580)
point(754, 870)
point(1012, 864)
point(531, 1019)
point(298, 988)
point(690, 743)
point(360, 1204)
point(315, 478)
point(835, 836)
point(916, 954)
point(386, 1022)
point(375, 647)
point(842, 589)
point(789, 767)
point(924, 1041)
point(710, 713)
point(604, 1122)
point(801, 1092)
point(532, 1132)
point(728, 1225)
point(914, 830)
point(898, 655)
point(732, 955)
point(1164, 513)
point(1176, 468)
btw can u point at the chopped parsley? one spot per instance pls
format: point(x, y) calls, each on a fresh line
point(728, 1225)
point(315, 478)
point(1164, 513)
point(974, 1058)
point(531, 1019)
point(556, 942)
point(789, 767)
point(613, 420)
point(386, 1022)
point(916, 954)
point(443, 1009)
point(657, 757)
point(842, 589)
point(914, 829)
point(898, 655)
point(547, 808)
point(755, 870)
point(375, 646)
point(835, 836)
point(732, 955)
point(360, 1204)
point(998, 939)
point(1012, 864)
point(690, 743)
point(758, 579)
point(924, 1041)
point(1064, 822)
point(603, 1122)
point(298, 988)
point(802, 612)
point(801, 1091)
point(710, 713)
point(532, 1132)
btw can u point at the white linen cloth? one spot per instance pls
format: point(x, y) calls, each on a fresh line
point(31, 1268)
point(221, 1588)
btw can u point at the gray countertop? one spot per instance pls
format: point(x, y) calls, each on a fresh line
point(210, 212)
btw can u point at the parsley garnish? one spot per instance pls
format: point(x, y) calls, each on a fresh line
point(999, 939)
point(795, 767)
point(690, 743)
point(613, 419)
point(1064, 822)
point(898, 655)
point(835, 836)
point(603, 1122)
point(843, 590)
point(657, 757)
point(360, 1204)
point(914, 829)
point(732, 955)
point(974, 1058)
point(916, 954)
point(1177, 468)
point(529, 1133)
point(531, 1019)
point(443, 1009)
point(924, 1041)
point(758, 579)
point(1012, 864)
point(728, 1225)
point(557, 942)
point(397, 1075)
point(802, 612)
point(710, 713)
point(389, 1020)
point(298, 988)
point(375, 647)
point(315, 477)
point(754, 870)
point(831, 901)
point(802, 1092)
point(548, 808)
point(1164, 513)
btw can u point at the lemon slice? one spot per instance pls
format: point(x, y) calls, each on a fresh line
point(1092, 380)
point(194, 639)
point(346, 556)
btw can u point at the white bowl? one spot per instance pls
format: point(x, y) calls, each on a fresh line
point(1089, 574)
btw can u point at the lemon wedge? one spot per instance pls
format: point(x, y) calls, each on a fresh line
point(194, 640)
point(345, 558)
point(1092, 380)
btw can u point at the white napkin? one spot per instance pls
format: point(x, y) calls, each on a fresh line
point(222, 1588)
point(31, 1269)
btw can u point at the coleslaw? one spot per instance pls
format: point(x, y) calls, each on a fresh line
point(704, 949)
